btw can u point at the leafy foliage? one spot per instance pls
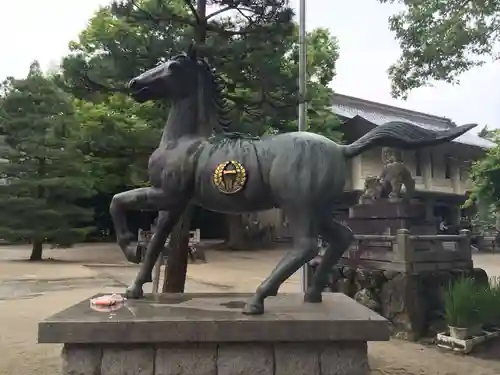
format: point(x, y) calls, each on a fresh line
point(117, 140)
point(441, 39)
point(469, 303)
point(487, 133)
point(252, 45)
point(64, 153)
point(485, 174)
point(46, 173)
point(462, 301)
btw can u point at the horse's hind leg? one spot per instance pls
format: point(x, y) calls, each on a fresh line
point(166, 222)
point(339, 238)
point(305, 249)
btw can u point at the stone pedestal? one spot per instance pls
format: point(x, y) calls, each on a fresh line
point(206, 334)
point(398, 265)
point(384, 216)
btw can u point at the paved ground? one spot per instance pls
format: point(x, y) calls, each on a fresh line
point(29, 292)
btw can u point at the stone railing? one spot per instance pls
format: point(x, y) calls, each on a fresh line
point(405, 252)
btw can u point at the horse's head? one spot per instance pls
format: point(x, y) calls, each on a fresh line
point(185, 76)
point(173, 79)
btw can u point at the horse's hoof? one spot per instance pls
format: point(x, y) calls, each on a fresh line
point(313, 297)
point(134, 292)
point(131, 251)
point(132, 254)
point(253, 309)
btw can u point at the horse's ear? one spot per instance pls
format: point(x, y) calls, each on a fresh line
point(192, 52)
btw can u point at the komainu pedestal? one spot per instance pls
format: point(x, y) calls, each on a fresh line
point(206, 334)
point(385, 216)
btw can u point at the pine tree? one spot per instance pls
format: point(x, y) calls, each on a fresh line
point(45, 173)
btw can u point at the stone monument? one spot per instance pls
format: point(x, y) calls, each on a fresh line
point(398, 264)
point(395, 177)
point(386, 204)
point(303, 174)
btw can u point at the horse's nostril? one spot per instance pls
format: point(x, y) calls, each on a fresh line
point(132, 83)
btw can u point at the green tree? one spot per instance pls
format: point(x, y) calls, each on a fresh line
point(45, 172)
point(256, 54)
point(485, 174)
point(117, 137)
point(441, 39)
point(485, 192)
point(488, 133)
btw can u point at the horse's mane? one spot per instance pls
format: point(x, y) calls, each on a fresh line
point(215, 87)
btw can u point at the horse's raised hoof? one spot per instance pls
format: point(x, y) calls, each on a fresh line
point(313, 297)
point(131, 251)
point(134, 292)
point(253, 308)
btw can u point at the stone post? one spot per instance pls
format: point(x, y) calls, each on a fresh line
point(403, 250)
point(464, 245)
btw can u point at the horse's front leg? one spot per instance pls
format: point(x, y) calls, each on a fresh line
point(150, 198)
point(166, 222)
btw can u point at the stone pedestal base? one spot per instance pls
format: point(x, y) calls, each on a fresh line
point(206, 334)
point(347, 358)
point(386, 217)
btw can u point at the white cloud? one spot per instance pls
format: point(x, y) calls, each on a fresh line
point(32, 29)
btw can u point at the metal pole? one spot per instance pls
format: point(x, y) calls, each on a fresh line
point(304, 274)
point(302, 66)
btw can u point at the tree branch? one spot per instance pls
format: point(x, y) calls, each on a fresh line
point(249, 19)
point(90, 84)
point(210, 27)
point(220, 11)
point(193, 10)
point(157, 20)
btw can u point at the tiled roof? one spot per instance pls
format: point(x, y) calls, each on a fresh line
point(348, 106)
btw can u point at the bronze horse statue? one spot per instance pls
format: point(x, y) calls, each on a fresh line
point(300, 172)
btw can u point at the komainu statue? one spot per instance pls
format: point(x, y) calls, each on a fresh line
point(372, 190)
point(395, 175)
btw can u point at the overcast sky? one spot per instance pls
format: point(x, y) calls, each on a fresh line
point(34, 29)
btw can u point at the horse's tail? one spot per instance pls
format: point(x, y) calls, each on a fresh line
point(402, 135)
